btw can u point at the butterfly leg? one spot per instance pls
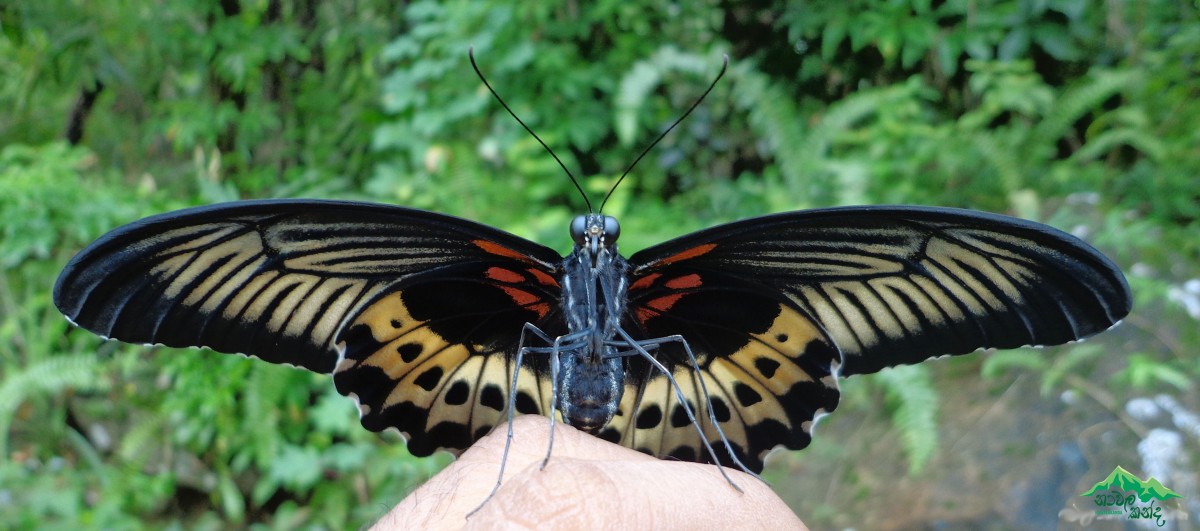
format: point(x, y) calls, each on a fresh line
point(712, 416)
point(512, 393)
point(556, 346)
point(553, 396)
point(640, 348)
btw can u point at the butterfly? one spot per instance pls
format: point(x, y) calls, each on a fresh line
point(440, 327)
point(717, 346)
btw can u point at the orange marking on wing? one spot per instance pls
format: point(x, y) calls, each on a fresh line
point(504, 275)
point(665, 302)
point(645, 281)
point(528, 300)
point(690, 253)
point(644, 314)
point(686, 281)
point(520, 296)
point(499, 250)
point(542, 277)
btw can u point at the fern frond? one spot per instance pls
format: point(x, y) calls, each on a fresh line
point(136, 445)
point(1079, 360)
point(1073, 104)
point(49, 376)
point(644, 77)
point(914, 401)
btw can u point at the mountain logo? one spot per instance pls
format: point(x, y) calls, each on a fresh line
point(1122, 480)
point(1122, 493)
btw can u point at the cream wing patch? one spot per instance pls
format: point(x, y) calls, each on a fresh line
point(763, 395)
point(438, 393)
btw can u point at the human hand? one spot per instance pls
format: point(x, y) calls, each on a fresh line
point(588, 482)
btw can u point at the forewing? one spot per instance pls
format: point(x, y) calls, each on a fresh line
point(897, 285)
point(272, 279)
point(433, 356)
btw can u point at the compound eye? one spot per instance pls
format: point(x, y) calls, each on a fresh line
point(579, 229)
point(612, 229)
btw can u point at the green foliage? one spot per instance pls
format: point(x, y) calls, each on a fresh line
point(1080, 114)
point(46, 377)
point(44, 206)
point(913, 399)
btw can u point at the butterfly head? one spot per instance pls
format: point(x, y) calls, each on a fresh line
point(595, 232)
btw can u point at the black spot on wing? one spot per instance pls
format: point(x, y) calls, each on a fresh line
point(720, 409)
point(409, 351)
point(483, 431)
point(679, 416)
point(526, 405)
point(492, 397)
point(684, 453)
point(458, 393)
point(738, 455)
point(450, 435)
point(649, 418)
point(611, 435)
point(766, 367)
point(746, 395)
point(429, 379)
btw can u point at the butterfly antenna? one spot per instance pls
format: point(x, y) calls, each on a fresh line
point(724, 66)
point(471, 54)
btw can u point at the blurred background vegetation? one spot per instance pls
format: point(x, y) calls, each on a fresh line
point(1076, 113)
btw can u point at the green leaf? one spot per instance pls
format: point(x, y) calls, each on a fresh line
point(1145, 372)
point(232, 503)
point(831, 37)
point(1014, 45)
point(914, 401)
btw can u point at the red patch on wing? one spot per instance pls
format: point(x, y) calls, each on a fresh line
point(644, 315)
point(500, 250)
point(684, 282)
point(542, 277)
point(645, 281)
point(520, 296)
point(665, 302)
point(527, 300)
point(690, 253)
point(504, 275)
point(541, 309)
point(656, 307)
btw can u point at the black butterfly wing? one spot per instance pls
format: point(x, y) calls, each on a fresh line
point(433, 355)
point(883, 285)
point(768, 369)
point(417, 314)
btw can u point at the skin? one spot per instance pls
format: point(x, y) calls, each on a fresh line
point(588, 483)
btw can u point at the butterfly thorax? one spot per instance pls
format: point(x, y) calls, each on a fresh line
point(591, 372)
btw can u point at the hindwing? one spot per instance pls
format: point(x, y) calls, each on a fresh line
point(433, 355)
point(768, 369)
